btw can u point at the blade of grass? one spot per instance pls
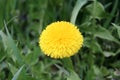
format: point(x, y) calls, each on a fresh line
point(15, 77)
point(1, 13)
point(112, 14)
point(42, 15)
point(79, 4)
point(10, 45)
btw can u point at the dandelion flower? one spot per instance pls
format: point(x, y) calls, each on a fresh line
point(60, 39)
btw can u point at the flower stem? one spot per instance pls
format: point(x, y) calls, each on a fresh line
point(67, 63)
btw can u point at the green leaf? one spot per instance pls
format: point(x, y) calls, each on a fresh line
point(10, 46)
point(96, 70)
point(116, 64)
point(87, 27)
point(3, 65)
point(103, 33)
point(104, 71)
point(118, 28)
point(12, 68)
point(108, 54)
point(15, 77)
point(118, 51)
point(112, 13)
point(90, 75)
point(2, 54)
point(79, 4)
point(73, 76)
point(98, 31)
point(92, 44)
point(33, 57)
point(96, 9)
point(62, 69)
point(67, 62)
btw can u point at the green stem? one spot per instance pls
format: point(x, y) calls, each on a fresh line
point(67, 62)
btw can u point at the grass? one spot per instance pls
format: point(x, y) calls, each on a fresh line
point(21, 23)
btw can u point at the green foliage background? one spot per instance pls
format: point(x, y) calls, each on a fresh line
point(21, 22)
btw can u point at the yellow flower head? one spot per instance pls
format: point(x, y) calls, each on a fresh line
point(60, 39)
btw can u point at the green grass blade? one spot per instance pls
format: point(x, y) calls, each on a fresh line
point(118, 29)
point(112, 14)
point(10, 45)
point(79, 4)
point(15, 77)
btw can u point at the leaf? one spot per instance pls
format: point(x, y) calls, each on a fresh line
point(112, 13)
point(67, 62)
point(33, 57)
point(116, 64)
point(96, 9)
point(79, 4)
point(62, 69)
point(73, 76)
point(10, 46)
point(103, 33)
point(93, 45)
point(118, 51)
point(90, 75)
point(3, 65)
point(118, 28)
point(13, 69)
point(108, 54)
point(96, 70)
point(15, 77)
point(2, 54)
point(104, 71)
point(98, 31)
point(87, 27)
